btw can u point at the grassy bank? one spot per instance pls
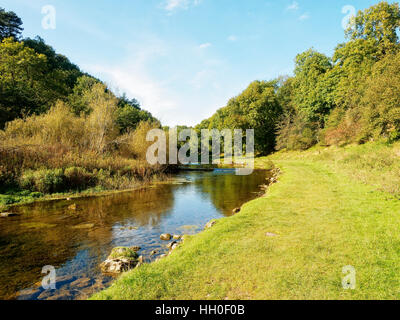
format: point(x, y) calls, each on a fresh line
point(17, 198)
point(59, 152)
point(323, 219)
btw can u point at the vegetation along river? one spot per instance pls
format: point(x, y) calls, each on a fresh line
point(75, 242)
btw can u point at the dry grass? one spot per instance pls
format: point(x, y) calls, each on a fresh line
point(46, 148)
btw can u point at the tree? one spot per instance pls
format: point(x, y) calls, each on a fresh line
point(78, 98)
point(256, 108)
point(64, 74)
point(378, 23)
point(309, 96)
point(10, 25)
point(128, 118)
point(21, 90)
point(379, 105)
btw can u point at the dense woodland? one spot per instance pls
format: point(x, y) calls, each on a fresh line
point(62, 129)
point(352, 97)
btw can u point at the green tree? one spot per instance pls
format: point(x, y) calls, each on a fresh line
point(256, 108)
point(78, 98)
point(64, 74)
point(10, 25)
point(379, 105)
point(310, 85)
point(378, 23)
point(21, 72)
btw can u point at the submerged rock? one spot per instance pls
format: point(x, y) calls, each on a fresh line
point(165, 237)
point(7, 214)
point(37, 225)
point(81, 283)
point(176, 237)
point(120, 260)
point(72, 207)
point(210, 224)
point(84, 226)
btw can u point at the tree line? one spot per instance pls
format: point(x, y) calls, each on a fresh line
point(351, 97)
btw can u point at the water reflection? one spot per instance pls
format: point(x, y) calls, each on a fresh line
point(77, 241)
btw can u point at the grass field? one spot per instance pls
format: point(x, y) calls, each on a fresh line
point(324, 216)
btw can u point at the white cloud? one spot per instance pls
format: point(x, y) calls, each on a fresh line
point(232, 38)
point(133, 77)
point(294, 6)
point(205, 45)
point(172, 5)
point(174, 89)
point(304, 17)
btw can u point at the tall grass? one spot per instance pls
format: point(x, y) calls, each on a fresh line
point(59, 151)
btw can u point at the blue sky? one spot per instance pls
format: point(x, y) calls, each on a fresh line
point(183, 59)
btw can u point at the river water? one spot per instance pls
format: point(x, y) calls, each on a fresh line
point(75, 242)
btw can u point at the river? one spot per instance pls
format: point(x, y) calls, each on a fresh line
point(75, 242)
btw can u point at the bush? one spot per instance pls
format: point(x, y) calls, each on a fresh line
point(44, 181)
point(79, 179)
point(6, 177)
point(295, 133)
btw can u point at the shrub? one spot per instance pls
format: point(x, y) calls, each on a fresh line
point(78, 178)
point(295, 133)
point(45, 180)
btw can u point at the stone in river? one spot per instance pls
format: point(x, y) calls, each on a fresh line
point(170, 245)
point(177, 237)
point(165, 237)
point(120, 260)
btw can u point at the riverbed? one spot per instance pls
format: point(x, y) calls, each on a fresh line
point(75, 236)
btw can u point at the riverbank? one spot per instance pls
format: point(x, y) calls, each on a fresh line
point(294, 242)
point(19, 199)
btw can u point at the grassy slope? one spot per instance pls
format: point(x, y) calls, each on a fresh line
point(324, 220)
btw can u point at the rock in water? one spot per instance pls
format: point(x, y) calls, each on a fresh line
point(236, 210)
point(72, 207)
point(165, 237)
point(177, 237)
point(169, 246)
point(210, 224)
point(120, 260)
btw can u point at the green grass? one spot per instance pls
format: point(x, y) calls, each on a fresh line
point(324, 220)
